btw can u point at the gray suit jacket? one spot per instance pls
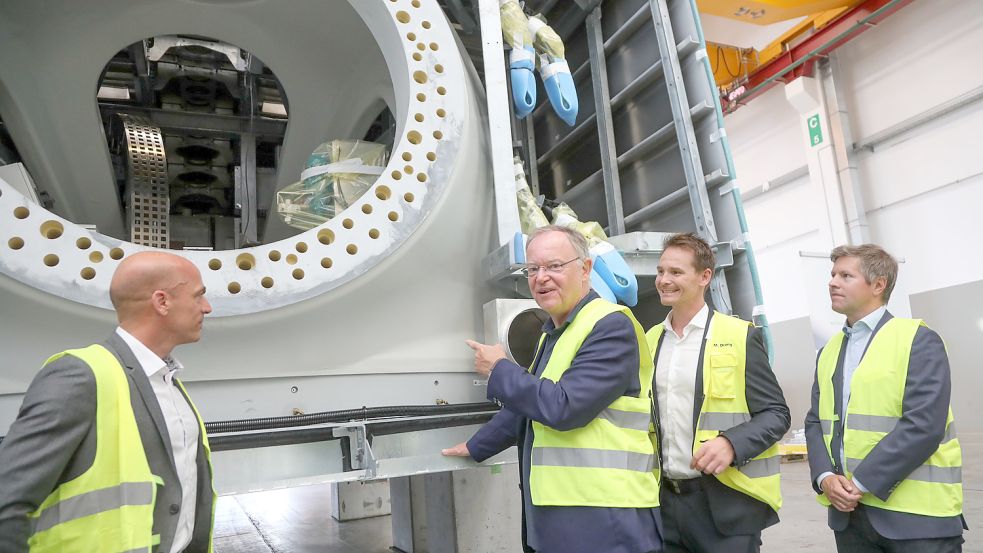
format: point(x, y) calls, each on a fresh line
point(53, 441)
point(925, 408)
point(732, 511)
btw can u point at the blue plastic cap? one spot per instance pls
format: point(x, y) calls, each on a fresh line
point(519, 247)
point(561, 91)
point(601, 287)
point(614, 271)
point(523, 85)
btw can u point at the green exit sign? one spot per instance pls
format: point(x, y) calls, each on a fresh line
point(815, 130)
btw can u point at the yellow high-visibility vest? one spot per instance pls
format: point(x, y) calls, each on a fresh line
point(725, 406)
point(612, 461)
point(109, 507)
point(876, 398)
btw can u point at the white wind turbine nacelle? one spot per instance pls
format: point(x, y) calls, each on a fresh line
point(390, 285)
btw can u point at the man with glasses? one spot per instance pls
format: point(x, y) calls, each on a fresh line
point(581, 415)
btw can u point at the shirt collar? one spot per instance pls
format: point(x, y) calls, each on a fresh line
point(698, 321)
point(549, 327)
point(149, 362)
point(867, 323)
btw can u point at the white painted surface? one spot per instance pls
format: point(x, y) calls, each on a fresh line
point(923, 189)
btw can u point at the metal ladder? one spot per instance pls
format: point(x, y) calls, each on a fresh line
point(695, 129)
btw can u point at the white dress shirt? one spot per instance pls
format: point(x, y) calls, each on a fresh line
point(675, 380)
point(182, 427)
point(858, 336)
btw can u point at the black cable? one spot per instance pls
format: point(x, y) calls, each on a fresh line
point(345, 415)
point(476, 410)
point(722, 58)
point(309, 435)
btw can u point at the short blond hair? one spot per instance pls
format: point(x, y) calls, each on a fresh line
point(875, 263)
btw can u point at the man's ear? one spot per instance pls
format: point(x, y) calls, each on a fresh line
point(160, 302)
point(588, 265)
point(878, 287)
point(705, 277)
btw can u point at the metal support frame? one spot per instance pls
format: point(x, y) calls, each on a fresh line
point(204, 124)
point(362, 457)
point(246, 203)
point(652, 142)
point(846, 160)
point(532, 168)
point(799, 60)
point(605, 124)
point(499, 124)
point(686, 137)
point(141, 79)
point(162, 44)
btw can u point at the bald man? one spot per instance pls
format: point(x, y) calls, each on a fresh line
point(107, 452)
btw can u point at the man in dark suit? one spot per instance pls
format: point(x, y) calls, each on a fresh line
point(581, 415)
point(721, 413)
point(107, 452)
point(882, 445)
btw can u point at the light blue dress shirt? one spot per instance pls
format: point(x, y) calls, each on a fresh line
point(858, 336)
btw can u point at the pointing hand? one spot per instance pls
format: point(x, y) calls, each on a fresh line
point(485, 356)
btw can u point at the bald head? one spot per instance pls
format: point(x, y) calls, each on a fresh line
point(141, 274)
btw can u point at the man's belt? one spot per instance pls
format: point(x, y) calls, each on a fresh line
point(683, 487)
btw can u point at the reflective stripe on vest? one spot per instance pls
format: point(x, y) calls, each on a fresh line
point(97, 501)
point(879, 423)
point(109, 507)
point(725, 406)
point(722, 421)
point(927, 473)
point(611, 461)
point(760, 468)
point(626, 419)
point(827, 426)
point(874, 409)
point(594, 458)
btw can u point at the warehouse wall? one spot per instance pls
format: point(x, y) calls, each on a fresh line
point(923, 190)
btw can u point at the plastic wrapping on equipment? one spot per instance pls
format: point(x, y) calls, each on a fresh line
point(337, 174)
point(611, 277)
point(515, 26)
point(592, 231)
point(530, 214)
point(545, 39)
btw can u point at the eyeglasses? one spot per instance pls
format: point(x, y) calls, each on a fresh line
point(552, 269)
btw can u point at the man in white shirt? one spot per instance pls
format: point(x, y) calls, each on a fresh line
point(720, 410)
point(59, 491)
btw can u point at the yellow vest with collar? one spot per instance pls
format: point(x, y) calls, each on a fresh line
point(725, 406)
point(875, 406)
point(612, 461)
point(110, 506)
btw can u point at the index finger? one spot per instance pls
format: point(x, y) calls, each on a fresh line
point(474, 345)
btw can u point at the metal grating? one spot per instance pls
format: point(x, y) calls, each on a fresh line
point(147, 195)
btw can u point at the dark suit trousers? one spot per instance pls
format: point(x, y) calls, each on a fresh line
point(688, 527)
point(860, 537)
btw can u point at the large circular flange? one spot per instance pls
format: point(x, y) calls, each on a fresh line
point(53, 254)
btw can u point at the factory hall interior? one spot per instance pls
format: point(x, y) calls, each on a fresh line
point(491, 276)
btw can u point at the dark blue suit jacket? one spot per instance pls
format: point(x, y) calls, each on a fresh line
point(925, 408)
point(605, 368)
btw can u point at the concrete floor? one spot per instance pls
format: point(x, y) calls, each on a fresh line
point(299, 520)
